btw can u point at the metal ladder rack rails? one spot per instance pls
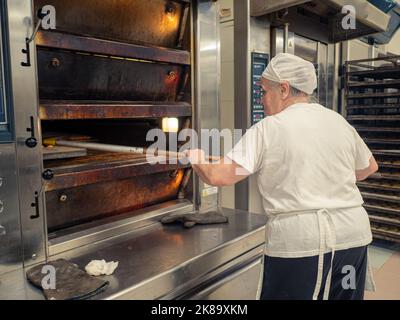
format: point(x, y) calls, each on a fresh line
point(372, 101)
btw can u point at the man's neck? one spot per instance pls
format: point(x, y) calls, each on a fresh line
point(291, 101)
point(295, 100)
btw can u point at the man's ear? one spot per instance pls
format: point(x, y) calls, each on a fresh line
point(285, 90)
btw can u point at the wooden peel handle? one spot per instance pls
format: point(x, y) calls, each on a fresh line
point(116, 148)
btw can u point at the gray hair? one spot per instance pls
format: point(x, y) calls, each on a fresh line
point(297, 93)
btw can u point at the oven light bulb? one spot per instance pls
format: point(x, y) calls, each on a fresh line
point(170, 125)
point(170, 10)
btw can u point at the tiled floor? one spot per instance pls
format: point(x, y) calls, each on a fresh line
point(385, 262)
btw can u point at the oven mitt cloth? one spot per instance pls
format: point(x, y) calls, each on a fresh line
point(71, 283)
point(191, 219)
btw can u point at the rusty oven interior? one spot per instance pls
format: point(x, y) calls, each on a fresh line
point(109, 73)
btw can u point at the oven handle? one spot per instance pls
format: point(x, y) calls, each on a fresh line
point(36, 206)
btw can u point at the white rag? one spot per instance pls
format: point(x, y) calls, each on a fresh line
point(101, 267)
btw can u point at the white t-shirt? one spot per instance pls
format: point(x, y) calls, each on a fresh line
point(306, 157)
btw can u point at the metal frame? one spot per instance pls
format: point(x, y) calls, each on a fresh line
point(111, 48)
point(251, 34)
point(10, 224)
point(206, 81)
point(333, 77)
point(376, 120)
point(7, 127)
point(322, 52)
point(242, 93)
point(388, 58)
point(2, 72)
point(70, 110)
point(29, 160)
point(36, 247)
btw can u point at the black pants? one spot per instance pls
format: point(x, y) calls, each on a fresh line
point(295, 278)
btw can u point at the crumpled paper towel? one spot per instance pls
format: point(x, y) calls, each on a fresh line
point(101, 267)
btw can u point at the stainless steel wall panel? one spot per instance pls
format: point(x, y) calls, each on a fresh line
point(241, 285)
point(322, 63)
point(252, 34)
point(25, 101)
point(207, 82)
point(10, 228)
point(333, 91)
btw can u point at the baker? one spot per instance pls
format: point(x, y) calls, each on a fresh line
point(307, 159)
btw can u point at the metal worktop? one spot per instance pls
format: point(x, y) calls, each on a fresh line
point(163, 262)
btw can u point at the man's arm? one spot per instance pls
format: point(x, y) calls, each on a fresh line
point(365, 173)
point(220, 174)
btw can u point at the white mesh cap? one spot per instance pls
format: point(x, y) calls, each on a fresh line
point(299, 73)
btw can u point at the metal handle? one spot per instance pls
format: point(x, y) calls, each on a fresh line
point(286, 38)
point(36, 206)
point(32, 141)
point(48, 174)
point(27, 50)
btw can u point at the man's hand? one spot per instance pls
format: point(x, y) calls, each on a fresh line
point(361, 175)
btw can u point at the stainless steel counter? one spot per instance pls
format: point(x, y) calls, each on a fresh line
point(170, 262)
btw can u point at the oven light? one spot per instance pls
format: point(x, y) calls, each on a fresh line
point(170, 125)
point(171, 12)
point(171, 17)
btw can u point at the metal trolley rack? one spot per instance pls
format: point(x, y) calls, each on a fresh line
point(372, 101)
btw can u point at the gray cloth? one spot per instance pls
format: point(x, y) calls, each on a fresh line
point(191, 219)
point(71, 283)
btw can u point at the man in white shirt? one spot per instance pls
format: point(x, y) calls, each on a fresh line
point(308, 160)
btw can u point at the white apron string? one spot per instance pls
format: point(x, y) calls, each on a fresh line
point(369, 281)
point(326, 234)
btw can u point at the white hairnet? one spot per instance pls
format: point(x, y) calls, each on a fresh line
point(299, 73)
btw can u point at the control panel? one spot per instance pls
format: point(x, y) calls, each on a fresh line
point(259, 61)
